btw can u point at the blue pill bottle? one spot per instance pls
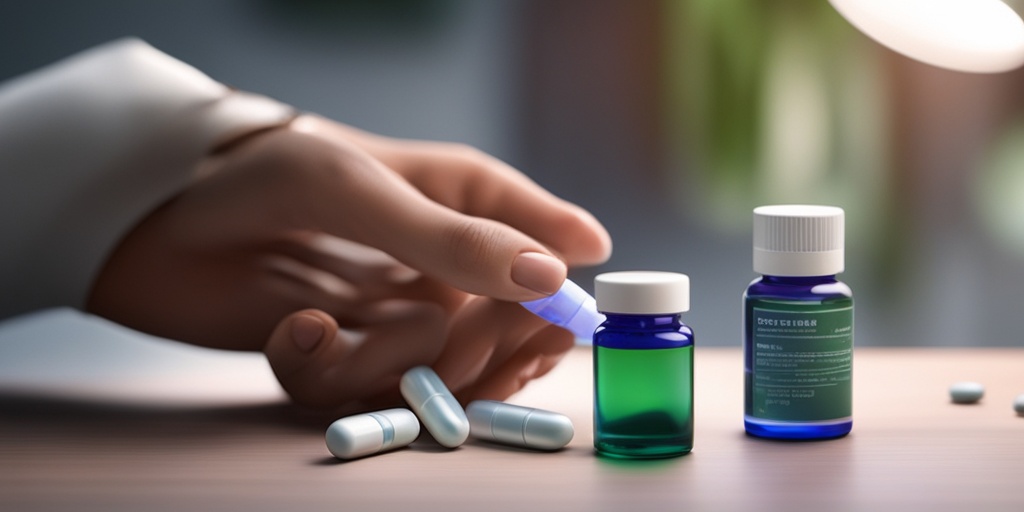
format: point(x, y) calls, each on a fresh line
point(643, 366)
point(798, 326)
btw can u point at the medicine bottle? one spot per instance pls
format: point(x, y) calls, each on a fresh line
point(798, 326)
point(643, 366)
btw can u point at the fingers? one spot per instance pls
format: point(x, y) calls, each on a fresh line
point(533, 360)
point(479, 185)
point(482, 186)
point(322, 366)
point(489, 351)
point(494, 347)
point(358, 198)
point(342, 275)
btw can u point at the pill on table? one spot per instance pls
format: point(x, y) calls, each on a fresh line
point(966, 392)
point(519, 426)
point(435, 406)
point(1018, 404)
point(366, 434)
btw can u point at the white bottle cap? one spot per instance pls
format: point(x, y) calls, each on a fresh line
point(642, 292)
point(798, 240)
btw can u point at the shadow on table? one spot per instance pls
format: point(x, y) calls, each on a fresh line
point(35, 413)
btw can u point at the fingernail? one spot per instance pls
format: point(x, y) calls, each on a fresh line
point(538, 272)
point(306, 332)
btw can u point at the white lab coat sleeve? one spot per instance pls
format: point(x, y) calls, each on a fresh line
point(89, 146)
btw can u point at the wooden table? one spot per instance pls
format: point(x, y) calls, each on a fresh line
point(219, 437)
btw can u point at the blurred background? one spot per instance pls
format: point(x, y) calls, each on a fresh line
point(669, 120)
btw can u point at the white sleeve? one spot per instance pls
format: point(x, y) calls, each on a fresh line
point(90, 145)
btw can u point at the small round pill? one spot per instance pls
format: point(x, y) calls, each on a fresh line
point(366, 434)
point(518, 426)
point(966, 392)
point(1018, 404)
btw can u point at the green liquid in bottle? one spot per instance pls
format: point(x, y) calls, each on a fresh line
point(643, 402)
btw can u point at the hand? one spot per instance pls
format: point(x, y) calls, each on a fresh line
point(349, 258)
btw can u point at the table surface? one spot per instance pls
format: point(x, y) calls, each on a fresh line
point(206, 430)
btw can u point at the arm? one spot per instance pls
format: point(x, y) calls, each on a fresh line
point(130, 188)
point(90, 145)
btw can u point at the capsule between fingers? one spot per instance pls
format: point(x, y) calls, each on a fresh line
point(366, 434)
point(435, 406)
point(515, 425)
point(571, 307)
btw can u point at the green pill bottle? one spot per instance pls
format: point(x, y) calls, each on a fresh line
point(643, 366)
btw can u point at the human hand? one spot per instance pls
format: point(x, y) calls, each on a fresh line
point(412, 248)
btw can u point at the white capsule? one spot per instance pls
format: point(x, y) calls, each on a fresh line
point(435, 406)
point(519, 426)
point(966, 392)
point(370, 433)
point(1018, 404)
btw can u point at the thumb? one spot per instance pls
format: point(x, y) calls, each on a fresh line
point(320, 365)
point(299, 343)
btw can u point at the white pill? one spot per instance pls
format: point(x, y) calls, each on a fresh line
point(439, 411)
point(966, 392)
point(370, 433)
point(519, 426)
point(1018, 404)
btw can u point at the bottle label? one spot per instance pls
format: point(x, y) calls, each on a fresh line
point(801, 364)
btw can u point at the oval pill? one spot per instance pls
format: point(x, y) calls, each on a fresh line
point(435, 406)
point(519, 426)
point(966, 392)
point(1018, 404)
point(366, 434)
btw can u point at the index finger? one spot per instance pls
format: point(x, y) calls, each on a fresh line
point(477, 184)
point(483, 186)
